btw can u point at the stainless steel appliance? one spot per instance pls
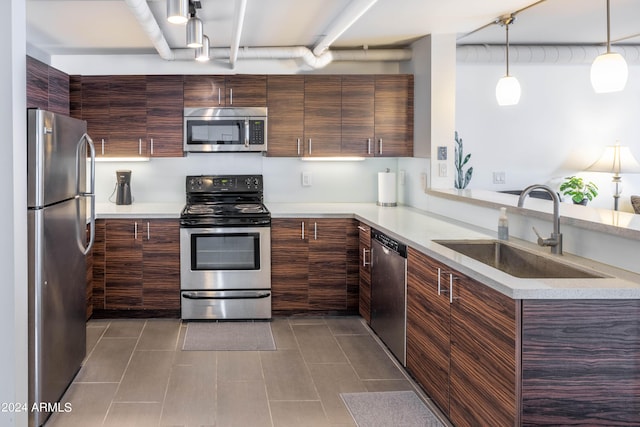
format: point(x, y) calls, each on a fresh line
point(235, 129)
point(389, 292)
point(225, 249)
point(123, 187)
point(57, 148)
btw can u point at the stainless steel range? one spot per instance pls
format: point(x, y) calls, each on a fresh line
point(225, 249)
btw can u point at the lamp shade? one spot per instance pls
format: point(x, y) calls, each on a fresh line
point(616, 159)
point(508, 91)
point(178, 11)
point(194, 32)
point(609, 73)
point(202, 53)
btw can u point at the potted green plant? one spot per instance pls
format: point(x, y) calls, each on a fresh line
point(579, 190)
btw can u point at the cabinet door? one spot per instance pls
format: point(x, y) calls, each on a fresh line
point(285, 100)
point(37, 84)
point(483, 356)
point(246, 91)
point(394, 115)
point(353, 269)
point(322, 115)
point(364, 266)
point(428, 325)
point(99, 265)
point(123, 264)
point(201, 91)
point(164, 115)
point(289, 265)
point(327, 264)
point(95, 110)
point(127, 116)
point(358, 115)
point(161, 273)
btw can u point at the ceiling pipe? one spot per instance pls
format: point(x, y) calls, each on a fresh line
point(556, 54)
point(143, 14)
point(145, 18)
point(351, 13)
point(238, 23)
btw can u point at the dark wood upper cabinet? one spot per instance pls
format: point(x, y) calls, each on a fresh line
point(358, 94)
point(164, 115)
point(203, 91)
point(96, 109)
point(394, 115)
point(285, 100)
point(128, 116)
point(47, 87)
point(322, 115)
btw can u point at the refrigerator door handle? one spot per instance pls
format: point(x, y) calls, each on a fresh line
point(91, 194)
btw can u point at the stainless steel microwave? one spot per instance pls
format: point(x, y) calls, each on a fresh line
point(225, 129)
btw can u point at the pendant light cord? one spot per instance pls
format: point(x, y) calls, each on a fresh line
point(608, 27)
point(507, 32)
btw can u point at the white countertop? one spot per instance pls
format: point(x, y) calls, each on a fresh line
point(418, 229)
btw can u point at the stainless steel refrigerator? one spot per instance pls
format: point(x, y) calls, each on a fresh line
point(59, 155)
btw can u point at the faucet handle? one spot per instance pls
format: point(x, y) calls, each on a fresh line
point(540, 238)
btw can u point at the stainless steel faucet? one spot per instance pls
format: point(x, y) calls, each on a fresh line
point(555, 241)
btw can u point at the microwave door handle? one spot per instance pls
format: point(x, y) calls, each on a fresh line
point(246, 133)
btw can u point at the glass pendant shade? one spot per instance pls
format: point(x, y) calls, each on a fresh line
point(178, 11)
point(508, 91)
point(609, 73)
point(202, 53)
point(194, 32)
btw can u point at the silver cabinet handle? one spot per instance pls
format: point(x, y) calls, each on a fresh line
point(302, 230)
point(315, 231)
point(135, 230)
point(152, 146)
point(361, 228)
point(103, 146)
point(231, 96)
point(219, 97)
point(439, 288)
point(368, 145)
point(380, 146)
point(364, 257)
point(140, 146)
point(148, 231)
point(450, 288)
point(309, 145)
point(298, 146)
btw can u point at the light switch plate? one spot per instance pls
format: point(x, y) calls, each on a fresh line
point(306, 179)
point(442, 170)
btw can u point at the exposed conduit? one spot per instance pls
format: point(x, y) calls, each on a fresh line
point(565, 54)
point(351, 13)
point(143, 14)
point(238, 23)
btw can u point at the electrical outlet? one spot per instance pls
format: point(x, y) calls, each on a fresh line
point(306, 179)
point(499, 178)
point(442, 170)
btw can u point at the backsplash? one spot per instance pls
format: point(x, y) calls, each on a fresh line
point(163, 180)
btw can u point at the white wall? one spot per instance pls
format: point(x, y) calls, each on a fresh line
point(558, 129)
point(13, 219)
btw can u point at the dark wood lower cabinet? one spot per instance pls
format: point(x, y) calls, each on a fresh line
point(313, 265)
point(364, 269)
point(581, 362)
point(137, 266)
point(488, 360)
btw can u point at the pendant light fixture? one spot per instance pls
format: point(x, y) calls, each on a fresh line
point(194, 32)
point(609, 71)
point(508, 87)
point(202, 53)
point(177, 11)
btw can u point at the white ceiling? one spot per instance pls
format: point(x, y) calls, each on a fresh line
point(108, 26)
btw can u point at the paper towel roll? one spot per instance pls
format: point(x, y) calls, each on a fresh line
point(386, 189)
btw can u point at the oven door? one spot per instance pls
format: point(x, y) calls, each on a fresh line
point(225, 258)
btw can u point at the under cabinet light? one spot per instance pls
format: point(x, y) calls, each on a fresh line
point(122, 159)
point(332, 159)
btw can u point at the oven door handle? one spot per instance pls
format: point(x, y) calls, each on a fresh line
point(226, 295)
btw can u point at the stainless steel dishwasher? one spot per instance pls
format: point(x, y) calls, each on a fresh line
point(389, 292)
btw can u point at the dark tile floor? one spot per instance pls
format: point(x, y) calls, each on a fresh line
point(135, 374)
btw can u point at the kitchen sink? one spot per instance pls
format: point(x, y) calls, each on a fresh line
point(516, 261)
